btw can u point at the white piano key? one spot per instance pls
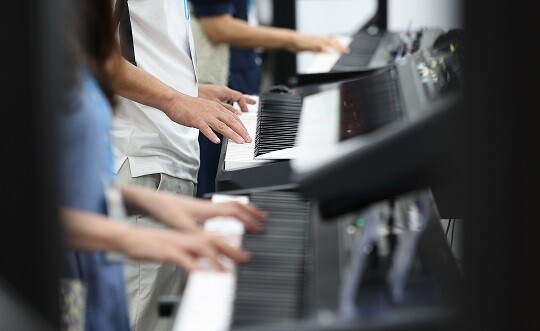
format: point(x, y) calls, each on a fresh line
point(207, 302)
point(224, 225)
point(208, 298)
point(239, 156)
point(324, 62)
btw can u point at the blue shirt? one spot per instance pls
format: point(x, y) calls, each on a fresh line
point(245, 75)
point(86, 161)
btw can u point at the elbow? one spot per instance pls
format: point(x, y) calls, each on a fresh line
point(216, 29)
point(214, 37)
point(113, 66)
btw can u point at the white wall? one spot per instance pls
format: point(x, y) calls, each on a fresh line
point(445, 14)
point(333, 16)
point(347, 16)
point(330, 17)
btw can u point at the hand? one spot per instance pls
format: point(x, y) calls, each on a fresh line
point(225, 96)
point(182, 249)
point(319, 44)
point(177, 211)
point(207, 116)
point(185, 213)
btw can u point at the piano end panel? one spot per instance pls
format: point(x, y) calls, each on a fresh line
point(265, 175)
point(326, 264)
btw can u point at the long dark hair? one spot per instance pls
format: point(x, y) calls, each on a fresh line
point(96, 40)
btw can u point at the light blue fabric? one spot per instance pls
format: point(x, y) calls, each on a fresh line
point(86, 161)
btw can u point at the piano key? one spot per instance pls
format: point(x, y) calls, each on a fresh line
point(240, 156)
point(270, 287)
point(277, 122)
point(206, 304)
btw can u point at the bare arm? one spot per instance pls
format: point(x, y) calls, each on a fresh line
point(90, 231)
point(135, 84)
point(239, 33)
point(184, 212)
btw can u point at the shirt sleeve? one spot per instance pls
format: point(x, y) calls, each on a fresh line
point(203, 8)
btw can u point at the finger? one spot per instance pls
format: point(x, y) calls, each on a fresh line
point(330, 47)
point(242, 102)
point(196, 229)
point(338, 46)
point(249, 100)
point(187, 224)
point(239, 98)
point(231, 127)
point(345, 48)
point(185, 261)
point(238, 255)
point(226, 131)
point(231, 108)
point(250, 224)
point(256, 212)
point(241, 123)
point(248, 215)
point(321, 48)
point(328, 50)
point(216, 263)
point(207, 131)
point(210, 254)
point(233, 118)
point(199, 246)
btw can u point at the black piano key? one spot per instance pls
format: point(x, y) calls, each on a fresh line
point(277, 122)
point(362, 48)
point(270, 287)
point(279, 293)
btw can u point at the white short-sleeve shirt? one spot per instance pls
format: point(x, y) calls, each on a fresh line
point(163, 46)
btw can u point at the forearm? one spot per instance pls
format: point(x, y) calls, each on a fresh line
point(135, 84)
point(137, 199)
point(90, 231)
point(239, 33)
point(208, 116)
point(164, 207)
point(145, 201)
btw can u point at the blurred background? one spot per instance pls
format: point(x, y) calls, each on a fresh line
point(491, 220)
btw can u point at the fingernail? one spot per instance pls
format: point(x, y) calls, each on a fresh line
point(240, 140)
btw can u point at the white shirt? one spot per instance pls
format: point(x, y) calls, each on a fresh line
point(163, 46)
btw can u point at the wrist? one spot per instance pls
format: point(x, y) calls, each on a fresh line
point(290, 38)
point(182, 109)
point(202, 89)
point(119, 236)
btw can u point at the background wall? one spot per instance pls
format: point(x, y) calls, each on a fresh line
point(347, 16)
point(445, 14)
